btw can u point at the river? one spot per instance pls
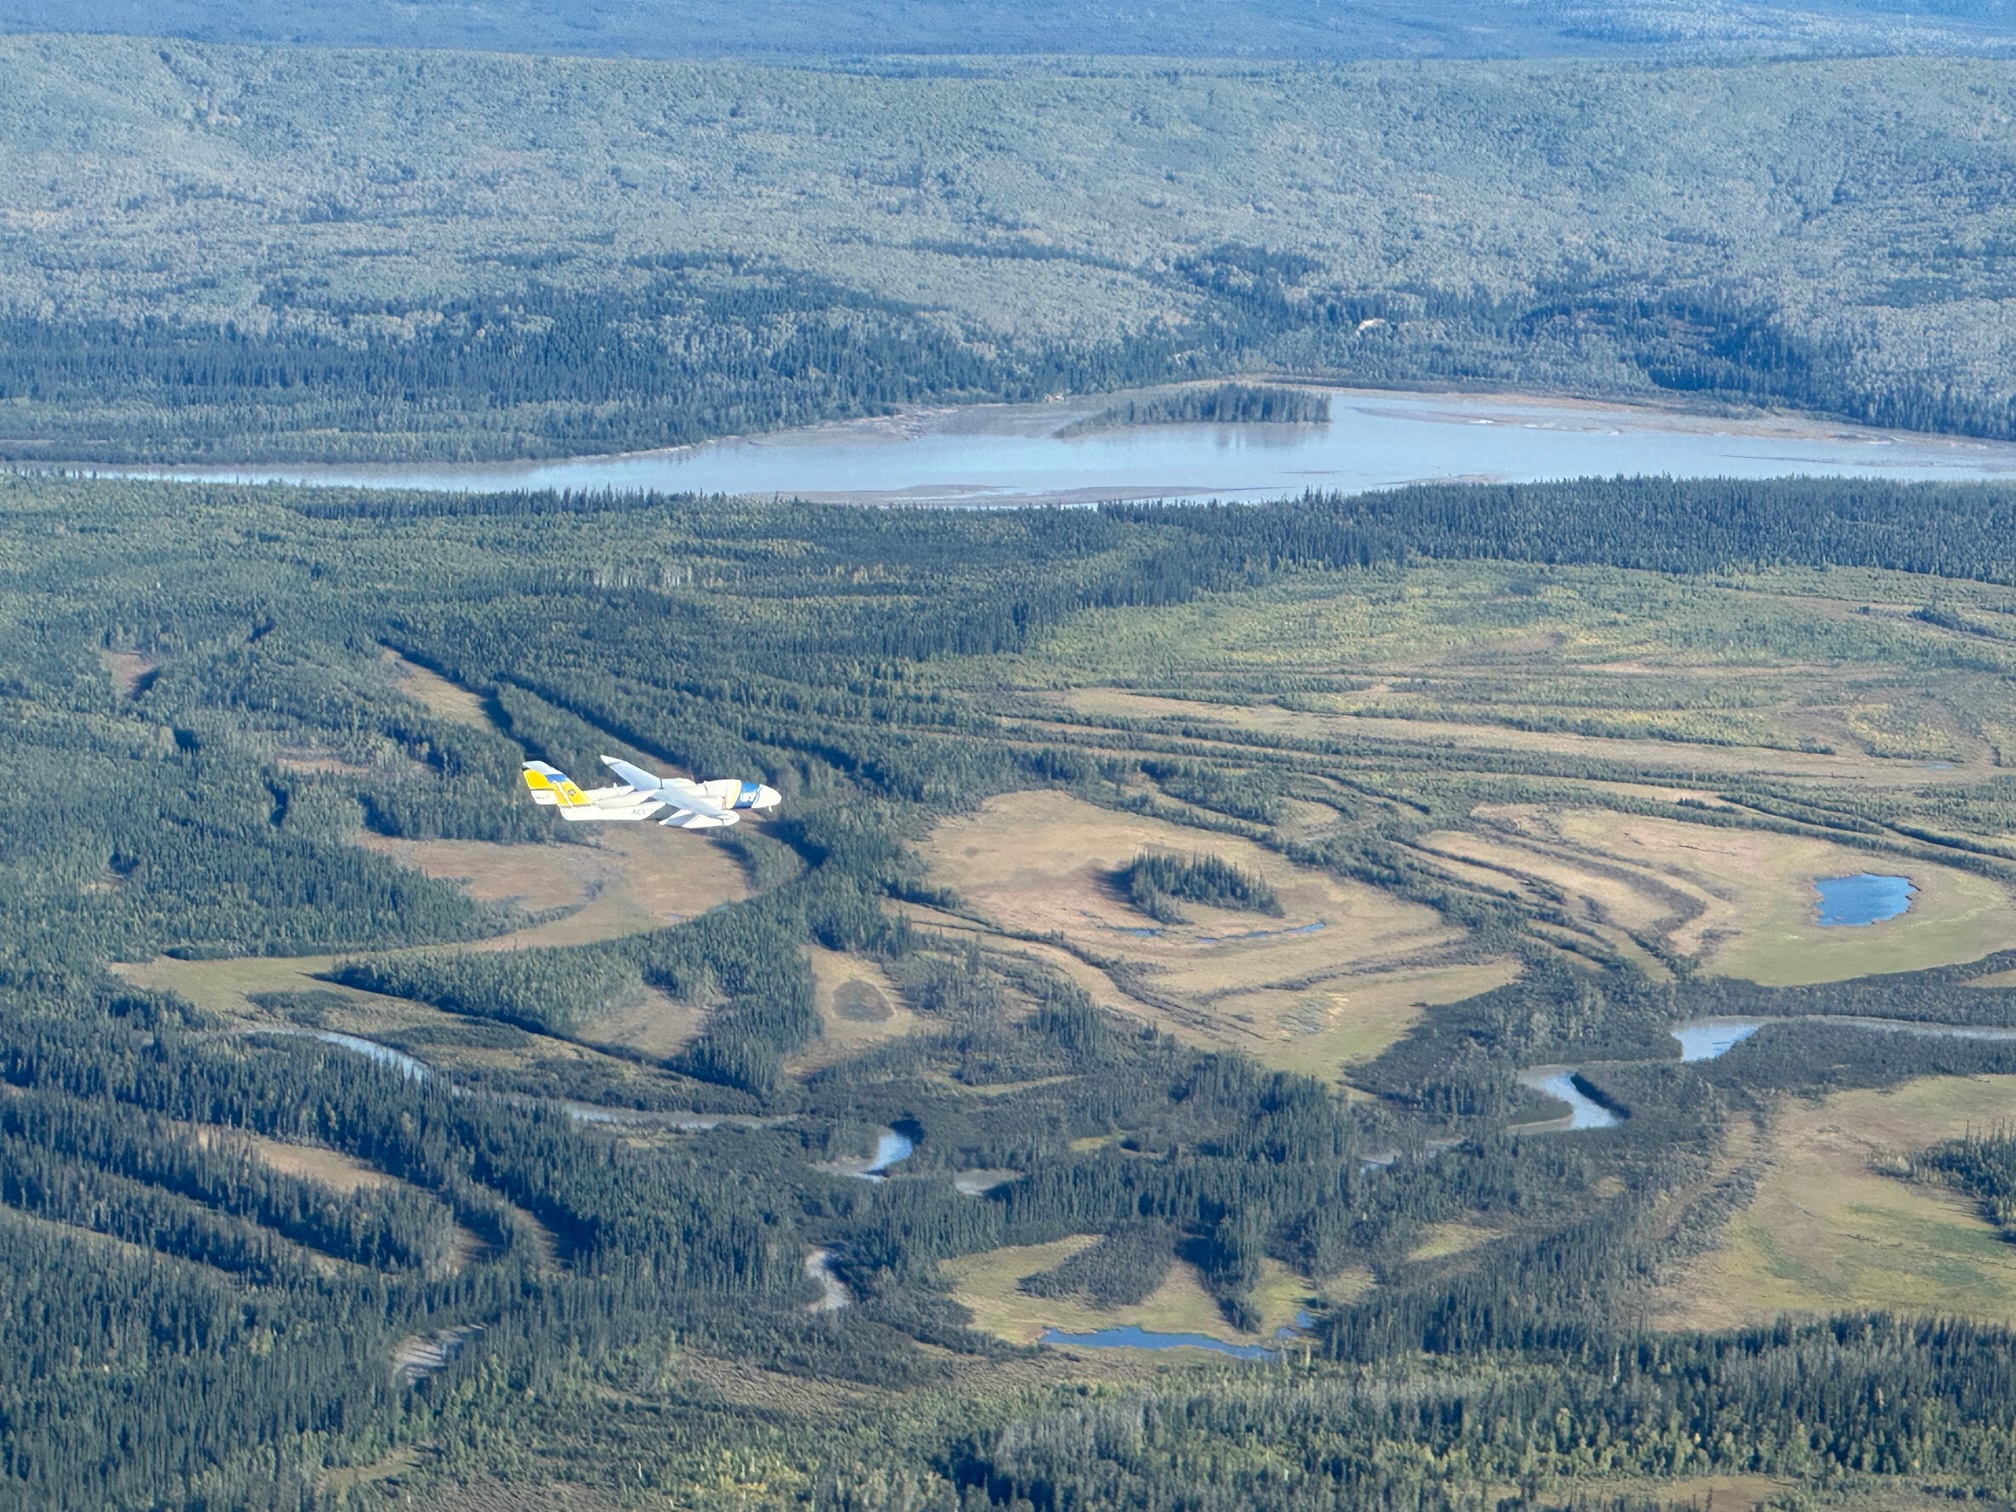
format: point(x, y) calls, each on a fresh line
point(1011, 454)
point(1709, 1038)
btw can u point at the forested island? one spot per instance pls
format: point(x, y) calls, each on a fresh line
point(1218, 404)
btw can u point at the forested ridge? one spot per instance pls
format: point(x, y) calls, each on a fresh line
point(491, 256)
point(603, 1229)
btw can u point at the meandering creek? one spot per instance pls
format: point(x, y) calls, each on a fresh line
point(1699, 1039)
point(1707, 1038)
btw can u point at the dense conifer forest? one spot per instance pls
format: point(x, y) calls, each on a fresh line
point(249, 1264)
point(475, 255)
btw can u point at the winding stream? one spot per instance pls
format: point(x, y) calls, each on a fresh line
point(683, 1120)
point(1707, 1038)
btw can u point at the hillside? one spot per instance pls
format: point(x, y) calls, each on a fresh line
point(241, 252)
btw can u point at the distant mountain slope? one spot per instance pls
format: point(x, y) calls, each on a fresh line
point(733, 245)
point(1302, 29)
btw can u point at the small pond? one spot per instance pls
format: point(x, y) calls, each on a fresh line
point(1559, 1082)
point(1131, 1337)
point(1864, 898)
point(1704, 1039)
point(891, 1147)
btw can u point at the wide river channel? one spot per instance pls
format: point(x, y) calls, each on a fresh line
point(1012, 454)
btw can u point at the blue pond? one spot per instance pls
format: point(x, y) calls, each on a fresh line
point(891, 1147)
point(1862, 899)
point(1131, 1337)
point(1705, 1039)
point(1558, 1082)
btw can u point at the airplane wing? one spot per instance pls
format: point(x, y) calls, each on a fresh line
point(669, 794)
point(633, 776)
point(693, 803)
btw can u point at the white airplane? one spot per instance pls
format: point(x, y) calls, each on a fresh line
point(693, 805)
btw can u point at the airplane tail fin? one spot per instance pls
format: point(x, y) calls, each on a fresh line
point(553, 788)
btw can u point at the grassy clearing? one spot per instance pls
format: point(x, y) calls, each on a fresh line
point(344, 1478)
point(1441, 1240)
point(532, 877)
point(655, 1025)
point(440, 697)
point(1318, 1032)
point(127, 669)
point(1829, 1233)
point(1041, 863)
point(1442, 725)
point(345, 1174)
point(858, 1007)
point(1760, 918)
point(225, 988)
point(985, 1284)
point(623, 883)
point(1740, 900)
point(339, 1172)
point(1807, 676)
point(626, 879)
point(1703, 1493)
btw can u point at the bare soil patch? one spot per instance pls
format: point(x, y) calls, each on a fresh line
point(130, 671)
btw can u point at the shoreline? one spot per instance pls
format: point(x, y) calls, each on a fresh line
point(1012, 455)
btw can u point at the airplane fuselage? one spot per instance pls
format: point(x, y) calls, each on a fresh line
point(715, 805)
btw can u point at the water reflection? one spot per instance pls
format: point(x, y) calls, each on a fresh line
point(1864, 898)
point(1004, 454)
point(1558, 1082)
point(1705, 1039)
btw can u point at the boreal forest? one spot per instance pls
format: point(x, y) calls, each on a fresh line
point(1490, 994)
point(368, 1138)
